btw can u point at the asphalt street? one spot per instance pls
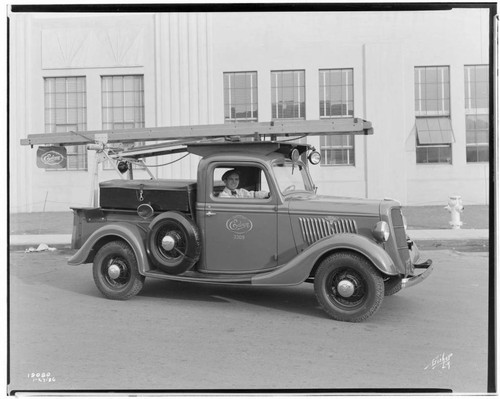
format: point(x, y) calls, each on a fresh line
point(178, 336)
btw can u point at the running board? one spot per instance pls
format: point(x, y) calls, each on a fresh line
point(203, 277)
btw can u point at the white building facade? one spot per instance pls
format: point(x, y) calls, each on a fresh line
point(421, 78)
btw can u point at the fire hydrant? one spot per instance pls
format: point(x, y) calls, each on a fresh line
point(455, 208)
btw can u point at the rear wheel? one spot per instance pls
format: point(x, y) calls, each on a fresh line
point(348, 287)
point(115, 271)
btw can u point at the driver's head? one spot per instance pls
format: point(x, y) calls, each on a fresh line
point(231, 179)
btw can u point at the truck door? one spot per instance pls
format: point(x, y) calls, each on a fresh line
point(240, 228)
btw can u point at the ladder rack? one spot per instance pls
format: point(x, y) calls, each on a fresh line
point(200, 132)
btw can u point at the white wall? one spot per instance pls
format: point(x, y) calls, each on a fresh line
point(73, 45)
point(183, 58)
point(383, 48)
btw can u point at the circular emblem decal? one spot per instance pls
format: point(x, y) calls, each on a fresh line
point(239, 224)
point(52, 158)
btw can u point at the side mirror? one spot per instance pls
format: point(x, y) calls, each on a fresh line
point(294, 155)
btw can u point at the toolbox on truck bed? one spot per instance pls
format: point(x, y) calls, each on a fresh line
point(162, 195)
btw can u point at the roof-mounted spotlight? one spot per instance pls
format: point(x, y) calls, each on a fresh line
point(314, 157)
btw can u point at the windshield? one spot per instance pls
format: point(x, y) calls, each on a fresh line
point(292, 178)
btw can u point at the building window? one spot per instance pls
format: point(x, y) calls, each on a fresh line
point(477, 112)
point(336, 100)
point(122, 104)
point(66, 110)
point(432, 110)
point(337, 150)
point(240, 97)
point(288, 94)
point(336, 93)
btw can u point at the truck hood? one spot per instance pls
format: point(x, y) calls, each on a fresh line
point(323, 204)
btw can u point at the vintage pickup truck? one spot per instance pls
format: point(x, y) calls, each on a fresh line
point(354, 251)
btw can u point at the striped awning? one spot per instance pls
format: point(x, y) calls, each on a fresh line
point(434, 131)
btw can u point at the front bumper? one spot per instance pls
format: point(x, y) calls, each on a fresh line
point(417, 264)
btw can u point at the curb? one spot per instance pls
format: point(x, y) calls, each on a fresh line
point(461, 245)
point(24, 248)
point(26, 241)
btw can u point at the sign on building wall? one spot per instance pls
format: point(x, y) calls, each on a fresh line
point(51, 157)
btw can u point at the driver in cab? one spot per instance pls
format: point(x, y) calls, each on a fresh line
point(232, 180)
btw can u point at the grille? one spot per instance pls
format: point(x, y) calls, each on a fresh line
point(397, 217)
point(314, 229)
point(400, 234)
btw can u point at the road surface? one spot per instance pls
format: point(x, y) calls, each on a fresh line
point(178, 336)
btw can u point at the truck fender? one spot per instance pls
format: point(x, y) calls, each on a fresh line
point(129, 233)
point(299, 268)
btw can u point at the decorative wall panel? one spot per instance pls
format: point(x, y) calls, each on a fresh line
point(120, 46)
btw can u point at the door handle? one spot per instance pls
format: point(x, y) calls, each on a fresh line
point(210, 213)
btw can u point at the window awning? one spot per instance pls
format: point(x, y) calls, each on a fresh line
point(434, 131)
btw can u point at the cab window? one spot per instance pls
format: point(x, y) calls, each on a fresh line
point(236, 182)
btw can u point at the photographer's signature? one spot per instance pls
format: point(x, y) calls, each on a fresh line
point(440, 361)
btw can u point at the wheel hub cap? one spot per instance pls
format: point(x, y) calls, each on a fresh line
point(168, 243)
point(114, 271)
point(345, 288)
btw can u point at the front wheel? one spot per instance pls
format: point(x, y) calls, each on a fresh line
point(115, 271)
point(393, 285)
point(348, 287)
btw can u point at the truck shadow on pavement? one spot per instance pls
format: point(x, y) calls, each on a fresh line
point(298, 299)
point(47, 270)
point(50, 270)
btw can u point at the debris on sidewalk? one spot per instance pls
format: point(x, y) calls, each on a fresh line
point(40, 248)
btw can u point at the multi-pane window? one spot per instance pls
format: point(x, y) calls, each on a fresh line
point(432, 91)
point(432, 110)
point(66, 110)
point(336, 100)
point(477, 112)
point(337, 150)
point(288, 94)
point(336, 93)
point(122, 102)
point(240, 96)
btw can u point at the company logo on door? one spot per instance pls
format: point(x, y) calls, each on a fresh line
point(239, 224)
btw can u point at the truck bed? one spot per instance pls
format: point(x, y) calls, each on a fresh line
point(161, 194)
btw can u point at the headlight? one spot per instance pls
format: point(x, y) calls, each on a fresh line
point(381, 231)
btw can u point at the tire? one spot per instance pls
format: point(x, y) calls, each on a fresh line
point(393, 285)
point(115, 271)
point(174, 243)
point(363, 287)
